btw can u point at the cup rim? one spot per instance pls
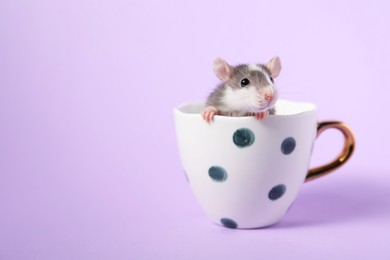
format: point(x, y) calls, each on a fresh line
point(195, 107)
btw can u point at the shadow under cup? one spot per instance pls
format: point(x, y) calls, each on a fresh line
point(246, 173)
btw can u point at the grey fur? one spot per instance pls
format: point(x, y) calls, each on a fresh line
point(256, 77)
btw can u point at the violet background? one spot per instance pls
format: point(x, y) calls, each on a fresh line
point(89, 167)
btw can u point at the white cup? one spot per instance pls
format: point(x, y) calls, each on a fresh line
point(246, 173)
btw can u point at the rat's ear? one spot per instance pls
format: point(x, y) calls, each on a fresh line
point(274, 66)
point(222, 69)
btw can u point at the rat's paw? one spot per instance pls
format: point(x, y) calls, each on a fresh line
point(208, 113)
point(261, 115)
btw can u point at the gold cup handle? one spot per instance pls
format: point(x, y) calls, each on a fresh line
point(349, 145)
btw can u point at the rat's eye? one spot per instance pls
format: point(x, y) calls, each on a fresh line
point(272, 80)
point(244, 82)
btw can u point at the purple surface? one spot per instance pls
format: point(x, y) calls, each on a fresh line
point(89, 167)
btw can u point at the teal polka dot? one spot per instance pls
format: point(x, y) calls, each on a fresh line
point(277, 192)
point(243, 137)
point(288, 145)
point(229, 223)
point(217, 173)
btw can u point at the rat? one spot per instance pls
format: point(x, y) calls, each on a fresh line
point(245, 90)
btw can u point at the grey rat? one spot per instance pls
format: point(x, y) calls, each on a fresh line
point(245, 90)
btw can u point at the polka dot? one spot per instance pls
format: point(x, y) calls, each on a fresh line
point(226, 222)
point(288, 145)
point(277, 192)
point(243, 137)
point(217, 173)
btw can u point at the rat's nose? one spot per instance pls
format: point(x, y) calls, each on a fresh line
point(268, 96)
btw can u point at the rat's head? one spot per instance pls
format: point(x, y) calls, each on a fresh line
point(248, 87)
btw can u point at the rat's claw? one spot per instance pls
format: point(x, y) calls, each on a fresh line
point(261, 115)
point(208, 114)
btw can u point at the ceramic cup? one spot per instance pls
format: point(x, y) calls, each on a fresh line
point(246, 173)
